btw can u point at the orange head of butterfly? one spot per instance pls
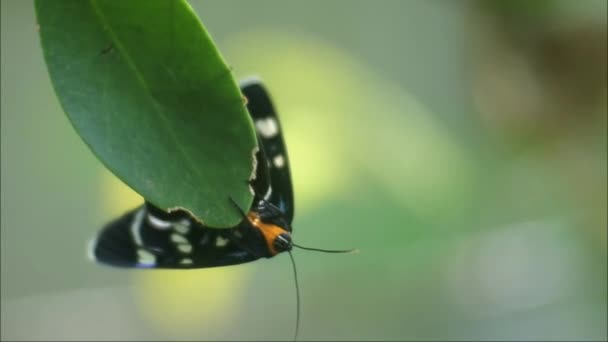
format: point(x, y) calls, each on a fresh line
point(278, 239)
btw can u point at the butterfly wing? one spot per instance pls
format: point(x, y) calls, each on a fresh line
point(273, 180)
point(148, 237)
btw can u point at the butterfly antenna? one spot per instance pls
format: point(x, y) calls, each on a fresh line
point(295, 277)
point(350, 251)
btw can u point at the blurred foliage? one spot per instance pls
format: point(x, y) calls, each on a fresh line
point(463, 154)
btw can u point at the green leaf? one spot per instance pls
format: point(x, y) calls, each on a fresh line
point(147, 90)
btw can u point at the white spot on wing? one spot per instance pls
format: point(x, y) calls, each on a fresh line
point(91, 249)
point(186, 261)
point(185, 248)
point(278, 161)
point(182, 227)
point(203, 241)
point(158, 223)
point(268, 193)
point(220, 241)
point(267, 127)
point(145, 258)
point(136, 227)
point(176, 238)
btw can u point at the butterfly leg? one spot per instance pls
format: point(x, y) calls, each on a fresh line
point(270, 211)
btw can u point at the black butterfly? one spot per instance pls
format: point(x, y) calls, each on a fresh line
point(149, 237)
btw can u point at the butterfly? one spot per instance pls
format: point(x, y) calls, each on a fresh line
point(149, 237)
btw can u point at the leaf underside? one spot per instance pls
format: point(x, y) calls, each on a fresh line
point(147, 90)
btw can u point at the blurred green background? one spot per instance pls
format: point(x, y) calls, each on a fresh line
point(460, 145)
